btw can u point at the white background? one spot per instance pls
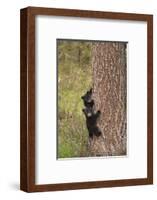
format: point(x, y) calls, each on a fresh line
point(10, 101)
point(134, 165)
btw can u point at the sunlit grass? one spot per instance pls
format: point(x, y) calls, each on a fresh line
point(74, 81)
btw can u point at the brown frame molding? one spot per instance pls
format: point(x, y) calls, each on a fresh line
point(27, 98)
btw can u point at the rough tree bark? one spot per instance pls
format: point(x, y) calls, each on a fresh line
point(110, 96)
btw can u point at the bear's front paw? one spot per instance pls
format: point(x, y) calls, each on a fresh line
point(98, 133)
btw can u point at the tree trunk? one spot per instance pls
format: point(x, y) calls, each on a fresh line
point(110, 96)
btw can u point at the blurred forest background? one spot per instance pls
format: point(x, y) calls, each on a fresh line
point(74, 79)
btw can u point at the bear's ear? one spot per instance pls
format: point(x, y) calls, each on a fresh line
point(82, 97)
point(83, 110)
point(90, 90)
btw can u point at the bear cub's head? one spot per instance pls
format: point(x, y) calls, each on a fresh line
point(87, 99)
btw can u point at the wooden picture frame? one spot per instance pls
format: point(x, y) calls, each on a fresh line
point(27, 98)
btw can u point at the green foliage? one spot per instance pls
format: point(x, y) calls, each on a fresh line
point(74, 79)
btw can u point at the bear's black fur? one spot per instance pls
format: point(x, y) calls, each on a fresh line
point(87, 99)
point(91, 121)
point(91, 116)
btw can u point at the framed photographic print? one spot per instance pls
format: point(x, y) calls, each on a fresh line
point(86, 99)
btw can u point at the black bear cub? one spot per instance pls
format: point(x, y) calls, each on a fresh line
point(91, 115)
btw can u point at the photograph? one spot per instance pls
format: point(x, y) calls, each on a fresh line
point(91, 98)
